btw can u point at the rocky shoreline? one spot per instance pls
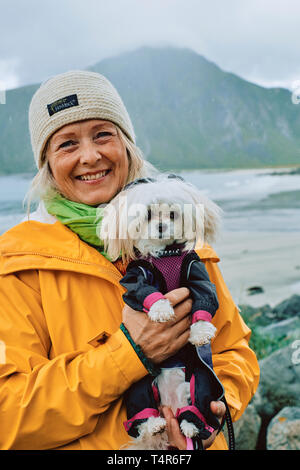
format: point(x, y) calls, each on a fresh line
point(272, 419)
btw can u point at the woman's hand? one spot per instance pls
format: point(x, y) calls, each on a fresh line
point(177, 439)
point(161, 340)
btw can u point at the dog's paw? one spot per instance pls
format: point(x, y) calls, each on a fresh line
point(188, 429)
point(161, 311)
point(152, 426)
point(202, 332)
point(157, 425)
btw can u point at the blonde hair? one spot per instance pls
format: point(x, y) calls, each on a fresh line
point(44, 187)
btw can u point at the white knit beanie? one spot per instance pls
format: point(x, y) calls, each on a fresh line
point(71, 97)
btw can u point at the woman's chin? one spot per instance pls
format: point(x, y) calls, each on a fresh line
point(92, 197)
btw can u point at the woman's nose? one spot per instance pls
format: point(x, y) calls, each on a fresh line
point(89, 154)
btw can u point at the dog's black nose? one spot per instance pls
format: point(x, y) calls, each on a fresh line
point(162, 227)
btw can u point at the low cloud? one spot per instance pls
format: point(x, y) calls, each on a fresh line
point(9, 74)
point(254, 39)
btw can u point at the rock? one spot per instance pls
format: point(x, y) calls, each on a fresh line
point(278, 387)
point(266, 315)
point(255, 290)
point(288, 329)
point(279, 382)
point(284, 430)
point(260, 316)
point(279, 372)
point(288, 308)
point(246, 429)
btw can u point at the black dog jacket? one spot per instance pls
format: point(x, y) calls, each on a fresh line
point(146, 281)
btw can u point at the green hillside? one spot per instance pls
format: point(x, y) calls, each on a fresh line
point(187, 114)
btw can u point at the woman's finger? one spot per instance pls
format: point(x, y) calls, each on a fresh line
point(175, 436)
point(177, 295)
point(218, 408)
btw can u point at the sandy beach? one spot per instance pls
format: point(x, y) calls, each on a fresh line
point(270, 260)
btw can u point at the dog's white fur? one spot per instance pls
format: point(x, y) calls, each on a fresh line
point(161, 311)
point(128, 211)
point(125, 226)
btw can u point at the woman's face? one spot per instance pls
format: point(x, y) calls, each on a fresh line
point(88, 161)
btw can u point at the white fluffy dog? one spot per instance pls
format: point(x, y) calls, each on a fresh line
point(154, 225)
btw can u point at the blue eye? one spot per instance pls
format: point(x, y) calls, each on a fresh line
point(102, 134)
point(67, 143)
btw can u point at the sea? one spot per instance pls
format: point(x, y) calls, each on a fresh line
point(251, 199)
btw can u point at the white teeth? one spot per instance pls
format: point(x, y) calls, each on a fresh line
point(93, 177)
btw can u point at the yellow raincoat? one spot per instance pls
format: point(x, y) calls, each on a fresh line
point(67, 363)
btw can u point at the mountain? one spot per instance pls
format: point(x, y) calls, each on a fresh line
point(187, 114)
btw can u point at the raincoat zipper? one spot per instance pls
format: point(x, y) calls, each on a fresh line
point(116, 275)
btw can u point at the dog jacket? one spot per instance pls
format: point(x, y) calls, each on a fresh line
point(146, 280)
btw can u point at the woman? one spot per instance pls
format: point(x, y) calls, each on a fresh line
point(67, 361)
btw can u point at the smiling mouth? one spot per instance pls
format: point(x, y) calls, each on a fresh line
point(94, 176)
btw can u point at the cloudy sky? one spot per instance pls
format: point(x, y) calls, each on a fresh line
point(256, 39)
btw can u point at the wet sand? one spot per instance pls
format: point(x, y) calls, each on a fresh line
point(270, 260)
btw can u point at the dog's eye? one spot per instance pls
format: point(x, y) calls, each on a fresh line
point(149, 214)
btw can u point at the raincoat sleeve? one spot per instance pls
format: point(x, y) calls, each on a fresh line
point(234, 361)
point(138, 289)
point(46, 403)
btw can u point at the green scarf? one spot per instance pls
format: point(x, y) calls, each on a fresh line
point(82, 219)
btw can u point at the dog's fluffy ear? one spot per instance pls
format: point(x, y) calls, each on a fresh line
point(208, 217)
point(208, 221)
point(107, 231)
point(212, 220)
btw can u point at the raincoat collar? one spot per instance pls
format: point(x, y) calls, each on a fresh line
point(36, 245)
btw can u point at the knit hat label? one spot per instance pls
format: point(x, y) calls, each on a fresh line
point(62, 103)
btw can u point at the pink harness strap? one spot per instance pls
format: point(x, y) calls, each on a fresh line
point(189, 444)
point(195, 410)
point(144, 414)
